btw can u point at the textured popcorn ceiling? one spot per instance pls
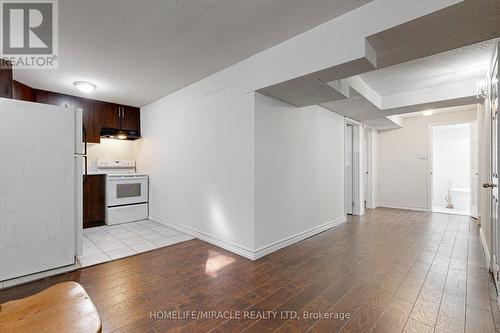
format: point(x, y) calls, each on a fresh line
point(455, 65)
point(137, 51)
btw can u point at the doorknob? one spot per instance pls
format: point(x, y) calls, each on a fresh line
point(487, 185)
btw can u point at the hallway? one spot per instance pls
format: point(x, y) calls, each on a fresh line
point(390, 270)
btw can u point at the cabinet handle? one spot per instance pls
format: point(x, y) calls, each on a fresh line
point(123, 112)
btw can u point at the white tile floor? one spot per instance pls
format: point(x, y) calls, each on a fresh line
point(454, 211)
point(107, 243)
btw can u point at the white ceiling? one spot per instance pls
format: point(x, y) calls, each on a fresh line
point(139, 51)
point(464, 66)
point(452, 66)
point(462, 108)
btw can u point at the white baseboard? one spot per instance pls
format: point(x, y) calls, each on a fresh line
point(486, 251)
point(405, 207)
point(238, 249)
point(265, 250)
point(244, 251)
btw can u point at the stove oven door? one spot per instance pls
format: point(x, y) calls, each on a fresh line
point(126, 190)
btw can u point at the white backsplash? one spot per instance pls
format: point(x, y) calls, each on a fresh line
point(112, 149)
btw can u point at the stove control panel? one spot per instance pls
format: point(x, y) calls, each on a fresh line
point(115, 164)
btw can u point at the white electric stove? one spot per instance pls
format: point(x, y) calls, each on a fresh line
point(126, 191)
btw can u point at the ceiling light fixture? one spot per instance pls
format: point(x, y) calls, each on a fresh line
point(84, 86)
point(428, 113)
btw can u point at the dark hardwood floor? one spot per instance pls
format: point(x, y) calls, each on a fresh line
point(390, 270)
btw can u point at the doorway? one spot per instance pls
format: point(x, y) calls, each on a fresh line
point(451, 169)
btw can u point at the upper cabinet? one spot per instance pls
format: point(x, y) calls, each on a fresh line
point(121, 117)
point(22, 92)
point(6, 82)
point(130, 118)
point(109, 115)
point(47, 97)
point(96, 114)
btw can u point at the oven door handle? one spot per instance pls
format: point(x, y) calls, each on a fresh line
point(115, 178)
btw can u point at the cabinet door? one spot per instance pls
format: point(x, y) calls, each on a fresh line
point(94, 204)
point(109, 115)
point(90, 118)
point(130, 118)
point(6, 82)
point(22, 92)
point(47, 97)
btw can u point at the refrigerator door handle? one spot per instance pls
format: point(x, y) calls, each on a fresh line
point(85, 174)
point(85, 151)
point(84, 140)
point(81, 139)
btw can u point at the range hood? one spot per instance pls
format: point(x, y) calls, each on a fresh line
point(120, 134)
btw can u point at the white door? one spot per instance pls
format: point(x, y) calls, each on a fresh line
point(37, 182)
point(493, 96)
point(474, 170)
point(349, 164)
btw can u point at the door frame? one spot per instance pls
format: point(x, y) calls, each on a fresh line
point(349, 169)
point(369, 169)
point(475, 170)
point(358, 134)
point(494, 211)
point(430, 160)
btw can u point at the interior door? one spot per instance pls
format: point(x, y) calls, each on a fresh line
point(349, 174)
point(474, 170)
point(493, 96)
point(37, 182)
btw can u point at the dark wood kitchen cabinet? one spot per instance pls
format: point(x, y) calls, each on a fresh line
point(6, 81)
point(22, 92)
point(109, 115)
point(121, 116)
point(94, 204)
point(47, 97)
point(130, 118)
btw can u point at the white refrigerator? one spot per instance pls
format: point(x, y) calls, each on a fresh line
point(41, 184)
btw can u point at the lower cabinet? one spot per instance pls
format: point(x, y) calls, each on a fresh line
point(94, 204)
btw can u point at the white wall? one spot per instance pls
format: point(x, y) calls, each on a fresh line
point(200, 158)
point(198, 145)
point(402, 161)
point(451, 162)
point(299, 165)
